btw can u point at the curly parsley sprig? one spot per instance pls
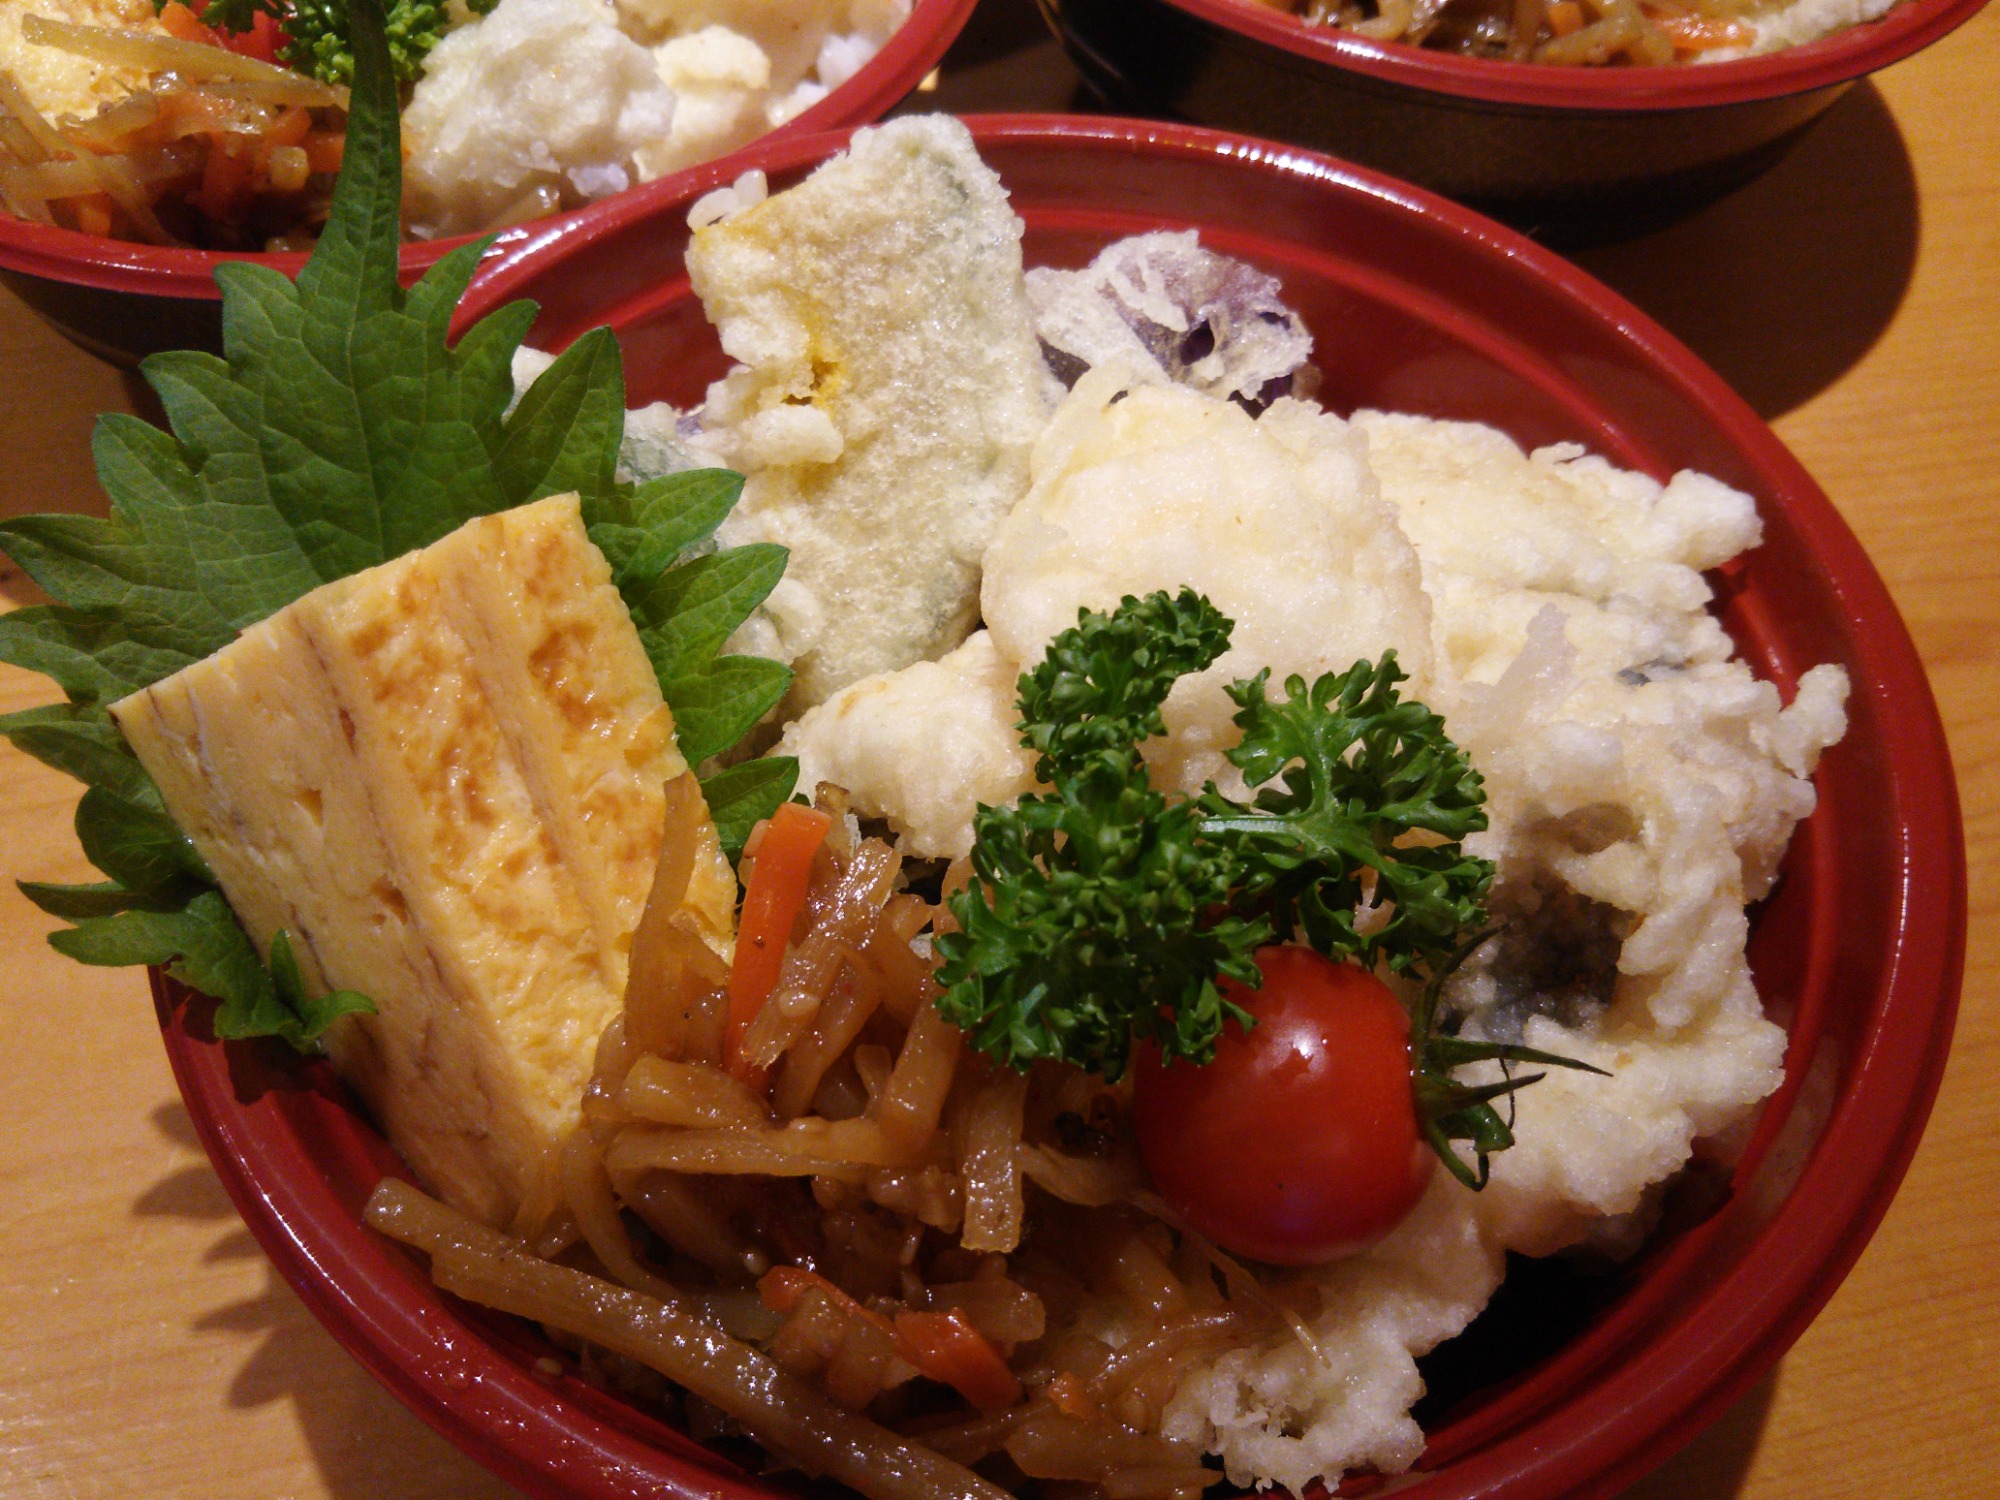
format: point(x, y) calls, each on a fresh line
point(1095, 913)
point(1349, 774)
point(1104, 910)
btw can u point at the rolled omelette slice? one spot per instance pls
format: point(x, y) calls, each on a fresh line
point(443, 778)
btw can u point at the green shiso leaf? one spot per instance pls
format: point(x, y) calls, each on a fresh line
point(643, 530)
point(741, 795)
point(80, 740)
point(687, 603)
point(140, 848)
point(564, 434)
point(689, 611)
point(75, 902)
point(299, 1017)
point(94, 656)
point(717, 704)
point(340, 430)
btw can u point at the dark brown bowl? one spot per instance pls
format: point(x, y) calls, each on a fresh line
point(123, 301)
point(1569, 153)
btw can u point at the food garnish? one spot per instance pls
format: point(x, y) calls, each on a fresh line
point(1097, 911)
point(773, 893)
point(339, 431)
point(1301, 1141)
point(1106, 912)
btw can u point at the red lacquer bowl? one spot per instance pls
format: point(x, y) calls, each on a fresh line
point(1420, 306)
point(123, 301)
point(1570, 153)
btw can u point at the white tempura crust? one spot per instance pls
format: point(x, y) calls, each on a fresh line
point(1639, 778)
point(1276, 519)
point(574, 99)
point(1137, 487)
point(1297, 1411)
point(887, 395)
point(1642, 786)
point(956, 714)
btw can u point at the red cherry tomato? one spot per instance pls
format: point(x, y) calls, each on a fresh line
point(1299, 1142)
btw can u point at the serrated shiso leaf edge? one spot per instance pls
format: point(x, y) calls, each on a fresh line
point(340, 430)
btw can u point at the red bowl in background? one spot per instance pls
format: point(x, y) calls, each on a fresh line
point(1571, 153)
point(1416, 305)
point(122, 300)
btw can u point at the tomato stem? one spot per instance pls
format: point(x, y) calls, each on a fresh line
point(1448, 1110)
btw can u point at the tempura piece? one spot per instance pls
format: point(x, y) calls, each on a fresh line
point(888, 394)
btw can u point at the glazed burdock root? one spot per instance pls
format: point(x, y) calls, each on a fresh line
point(669, 1334)
point(892, 1263)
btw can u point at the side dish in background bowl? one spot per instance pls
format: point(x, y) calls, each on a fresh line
point(200, 145)
point(1565, 33)
point(1572, 1383)
point(1571, 152)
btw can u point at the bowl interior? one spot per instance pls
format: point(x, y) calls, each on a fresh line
point(1415, 306)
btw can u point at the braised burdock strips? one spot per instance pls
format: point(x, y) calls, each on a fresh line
point(668, 1333)
point(894, 1168)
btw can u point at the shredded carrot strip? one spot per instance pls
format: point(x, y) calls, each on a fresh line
point(181, 23)
point(946, 1347)
point(324, 149)
point(225, 181)
point(191, 111)
point(781, 1287)
point(1701, 33)
point(1564, 17)
point(781, 870)
point(290, 130)
point(943, 1346)
point(286, 134)
point(93, 212)
point(1072, 1398)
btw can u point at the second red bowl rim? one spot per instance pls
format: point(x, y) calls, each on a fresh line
point(1840, 57)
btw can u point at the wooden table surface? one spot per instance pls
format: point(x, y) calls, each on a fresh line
point(1853, 296)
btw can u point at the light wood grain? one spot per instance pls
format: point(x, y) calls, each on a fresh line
point(1853, 296)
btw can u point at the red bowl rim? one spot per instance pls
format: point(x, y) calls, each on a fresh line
point(69, 255)
point(1844, 55)
point(1632, 1415)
